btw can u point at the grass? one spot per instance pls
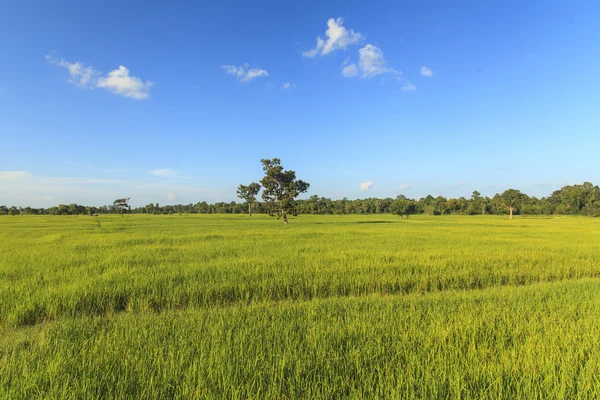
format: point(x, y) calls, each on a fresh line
point(326, 307)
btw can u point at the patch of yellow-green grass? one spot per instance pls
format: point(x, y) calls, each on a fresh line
point(328, 306)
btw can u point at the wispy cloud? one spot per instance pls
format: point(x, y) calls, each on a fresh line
point(409, 87)
point(336, 37)
point(288, 86)
point(21, 188)
point(81, 75)
point(118, 81)
point(164, 173)
point(404, 186)
point(366, 185)
point(171, 196)
point(6, 176)
point(244, 73)
point(426, 71)
point(350, 71)
point(371, 62)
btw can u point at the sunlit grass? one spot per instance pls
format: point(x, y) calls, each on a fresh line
point(352, 306)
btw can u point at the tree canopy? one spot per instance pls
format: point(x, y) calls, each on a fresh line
point(280, 188)
point(512, 199)
point(248, 193)
point(403, 206)
point(581, 199)
point(122, 204)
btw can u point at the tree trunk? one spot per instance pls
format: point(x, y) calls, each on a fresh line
point(511, 210)
point(250, 209)
point(285, 220)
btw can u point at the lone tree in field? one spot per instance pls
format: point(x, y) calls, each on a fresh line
point(512, 199)
point(122, 204)
point(280, 188)
point(249, 193)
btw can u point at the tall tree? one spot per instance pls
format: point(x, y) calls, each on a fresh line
point(122, 204)
point(280, 188)
point(249, 193)
point(511, 199)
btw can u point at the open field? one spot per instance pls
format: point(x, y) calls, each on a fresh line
point(355, 306)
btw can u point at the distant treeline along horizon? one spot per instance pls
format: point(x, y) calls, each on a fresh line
point(581, 199)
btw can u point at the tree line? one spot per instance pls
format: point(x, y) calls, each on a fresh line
point(581, 199)
point(280, 190)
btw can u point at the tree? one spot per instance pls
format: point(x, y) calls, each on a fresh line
point(249, 193)
point(403, 206)
point(475, 204)
point(313, 202)
point(121, 204)
point(280, 188)
point(440, 204)
point(512, 199)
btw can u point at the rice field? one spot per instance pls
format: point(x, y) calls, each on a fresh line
point(228, 306)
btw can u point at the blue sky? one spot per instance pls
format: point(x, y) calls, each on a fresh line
point(178, 103)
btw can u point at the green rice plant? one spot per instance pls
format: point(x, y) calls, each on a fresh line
point(228, 306)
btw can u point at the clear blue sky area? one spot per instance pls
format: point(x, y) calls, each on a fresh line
point(177, 102)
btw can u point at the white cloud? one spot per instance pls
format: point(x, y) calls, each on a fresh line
point(6, 176)
point(371, 62)
point(426, 71)
point(404, 186)
point(288, 86)
point(337, 37)
point(244, 73)
point(238, 72)
point(171, 196)
point(80, 74)
point(118, 81)
point(366, 185)
point(254, 73)
point(166, 172)
point(409, 87)
point(350, 70)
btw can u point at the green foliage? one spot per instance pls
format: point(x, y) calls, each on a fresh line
point(570, 200)
point(577, 199)
point(333, 307)
point(249, 193)
point(122, 204)
point(403, 207)
point(511, 199)
point(280, 188)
